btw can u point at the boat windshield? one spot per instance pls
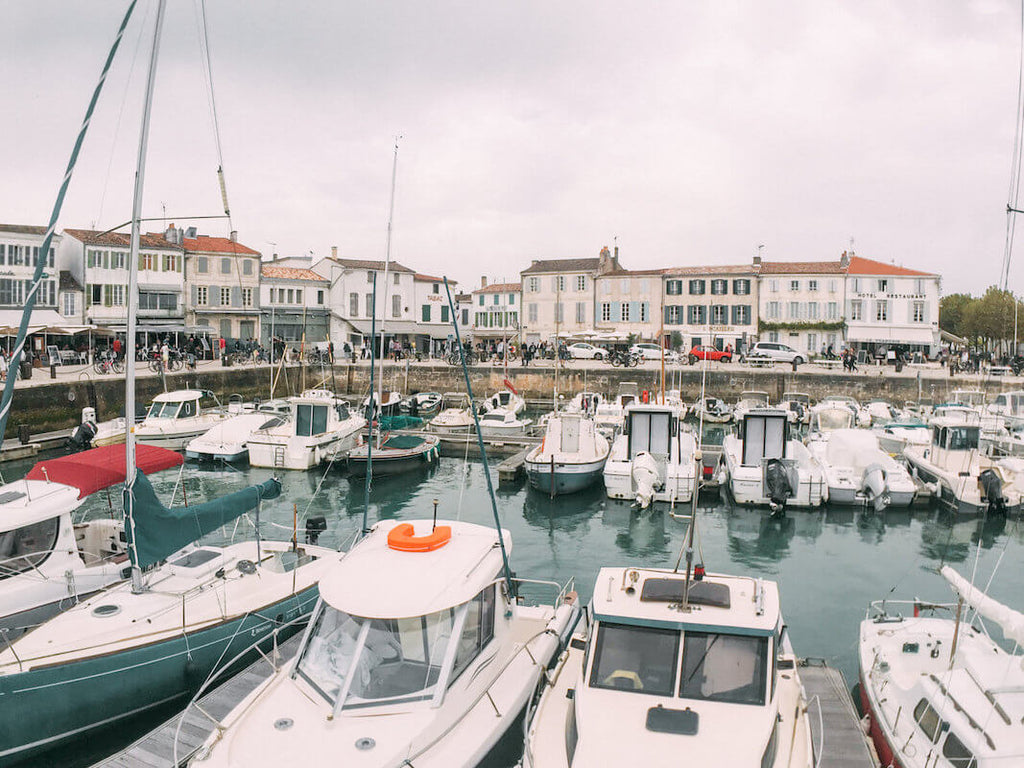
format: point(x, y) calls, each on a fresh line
point(163, 410)
point(721, 667)
point(834, 418)
point(372, 662)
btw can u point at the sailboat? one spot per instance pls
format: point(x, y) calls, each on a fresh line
point(151, 641)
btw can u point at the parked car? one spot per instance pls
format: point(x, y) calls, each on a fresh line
point(583, 351)
point(648, 351)
point(708, 353)
point(773, 350)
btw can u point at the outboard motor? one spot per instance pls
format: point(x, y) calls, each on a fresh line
point(780, 488)
point(874, 486)
point(992, 486)
point(645, 478)
point(314, 527)
point(81, 437)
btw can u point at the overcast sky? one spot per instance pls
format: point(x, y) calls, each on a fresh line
point(692, 132)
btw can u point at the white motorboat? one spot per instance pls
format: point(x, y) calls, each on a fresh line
point(91, 433)
point(749, 401)
point(653, 459)
point(673, 398)
point(427, 663)
point(229, 440)
point(939, 691)
point(176, 417)
point(49, 562)
point(965, 479)
point(390, 404)
point(1009, 406)
point(321, 427)
point(504, 400)
point(826, 417)
point(797, 406)
point(456, 418)
point(712, 409)
point(766, 467)
point(972, 398)
point(675, 673)
point(586, 403)
point(881, 412)
point(422, 405)
point(858, 471)
point(862, 418)
point(571, 456)
point(503, 422)
point(897, 435)
point(1004, 442)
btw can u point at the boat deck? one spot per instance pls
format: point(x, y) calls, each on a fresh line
point(845, 744)
point(156, 748)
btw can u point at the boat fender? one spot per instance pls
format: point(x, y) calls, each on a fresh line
point(403, 538)
point(645, 396)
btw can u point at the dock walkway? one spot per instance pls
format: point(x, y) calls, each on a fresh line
point(156, 748)
point(845, 744)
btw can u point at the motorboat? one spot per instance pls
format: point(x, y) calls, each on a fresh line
point(228, 441)
point(91, 433)
point(860, 415)
point(1003, 442)
point(427, 662)
point(456, 418)
point(712, 436)
point(674, 671)
point(586, 403)
point(972, 398)
point(797, 406)
point(653, 459)
point(767, 467)
point(321, 427)
point(1009, 406)
point(858, 471)
point(176, 417)
point(422, 404)
point(571, 456)
point(749, 401)
point(49, 562)
point(390, 404)
point(826, 417)
point(897, 435)
point(394, 454)
point(965, 479)
point(712, 409)
point(939, 691)
point(881, 412)
point(504, 400)
point(503, 422)
point(671, 397)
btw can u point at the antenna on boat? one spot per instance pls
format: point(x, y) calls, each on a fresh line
point(133, 305)
point(480, 442)
point(369, 421)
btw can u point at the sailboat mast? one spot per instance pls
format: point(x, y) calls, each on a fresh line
point(133, 297)
point(387, 264)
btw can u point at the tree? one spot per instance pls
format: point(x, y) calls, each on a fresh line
point(989, 321)
point(677, 339)
point(951, 312)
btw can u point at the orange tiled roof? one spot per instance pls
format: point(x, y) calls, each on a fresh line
point(500, 288)
point(861, 266)
point(120, 240)
point(292, 273)
point(206, 244)
point(431, 279)
point(712, 270)
point(22, 229)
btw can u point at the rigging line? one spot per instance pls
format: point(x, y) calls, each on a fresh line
point(204, 52)
point(1015, 161)
point(30, 300)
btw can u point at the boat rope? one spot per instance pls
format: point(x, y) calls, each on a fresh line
point(14, 359)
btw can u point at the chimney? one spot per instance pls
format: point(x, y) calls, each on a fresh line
point(616, 254)
point(757, 261)
point(334, 251)
point(234, 235)
point(170, 235)
point(483, 281)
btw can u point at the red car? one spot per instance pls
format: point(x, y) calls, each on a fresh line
point(709, 353)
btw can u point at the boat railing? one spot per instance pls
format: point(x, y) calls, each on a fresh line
point(561, 591)
point(213, 679)
point(877, 609)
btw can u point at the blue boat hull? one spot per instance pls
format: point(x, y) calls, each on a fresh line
point(47, 706)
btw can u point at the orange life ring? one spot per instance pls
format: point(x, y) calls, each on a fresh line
point(402, 537)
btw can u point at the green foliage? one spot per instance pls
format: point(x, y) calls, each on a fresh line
point(676, 340)
point(820, 325)
point(951, 312)
point(989, 319)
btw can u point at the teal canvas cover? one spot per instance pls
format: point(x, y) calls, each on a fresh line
point(158, 531)
point(403, 442)
point(400, 422)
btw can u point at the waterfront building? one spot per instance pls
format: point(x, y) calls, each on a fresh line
point(628, 305)
point(99, 262)
point(558, 297)
point(713, 305)
point(496, 311)
point(434, 325)
point(223, 278)
point(890, 306)
point(801, 303)
point(293, 306)
point(19, 254)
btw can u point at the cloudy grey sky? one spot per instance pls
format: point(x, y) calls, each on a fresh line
point(691, 131)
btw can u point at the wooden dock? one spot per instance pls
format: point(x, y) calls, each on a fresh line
point(14, 449)
point(156, 748)
point(844, 743)
point(511, 469)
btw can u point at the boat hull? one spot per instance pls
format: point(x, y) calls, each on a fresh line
point(947, 496)
point(393, 463)
point(174, 441)
point(66, 701)
point(236, 457)
point(885, 751)
point(565, 477)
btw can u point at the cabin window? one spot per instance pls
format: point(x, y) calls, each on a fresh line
point(957, 754)
point(641, 659)
point(649, 432)
point(961, 439)
point(188, 409)
point(310, 420)
point(928, 720)
point(163, 410)
point(477, 630)
point(763, 438)
point(720, 667)
point(25, 548)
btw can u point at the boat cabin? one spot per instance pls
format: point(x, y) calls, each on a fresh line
point(972, 398)
point(954, 435)
point(182, 404)
point(313, 415)
point(403, 639)
point(754, 399)
point(1008, 404)
point(797, 397)
point(652, 429)
point(501, 399)
point(830, 417)
point(765, 435)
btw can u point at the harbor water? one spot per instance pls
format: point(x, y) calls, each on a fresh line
point(829, 563)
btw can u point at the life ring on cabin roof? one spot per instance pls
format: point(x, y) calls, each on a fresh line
point(404, 539)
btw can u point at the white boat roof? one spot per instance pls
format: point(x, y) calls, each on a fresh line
point(24, 502)
point(754, 607)
point(179, 396)
point(948, 421)
point(377, 582)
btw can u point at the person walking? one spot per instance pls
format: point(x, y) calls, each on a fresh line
point(117, 347)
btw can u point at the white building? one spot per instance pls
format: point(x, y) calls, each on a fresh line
point(713, 305)
point(628, 303)
point(434, 322)
point(19, 255)
point(891, 307)
point(801, 304)
point(496, 309)
point(293, 303)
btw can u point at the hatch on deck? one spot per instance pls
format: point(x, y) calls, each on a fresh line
point(671, 591)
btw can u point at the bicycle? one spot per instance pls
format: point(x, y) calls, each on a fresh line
point(106, 364)
point(454, 358)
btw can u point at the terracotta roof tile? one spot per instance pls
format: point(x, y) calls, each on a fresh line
point(121, 240)
point(22, 229)
point(292, 273)
point(500, 288)
point(562, 265)
point(802, 268)
point(374, 265)
point(861, 266)
point(206, 244)
point(431, 279)
point(712, 269)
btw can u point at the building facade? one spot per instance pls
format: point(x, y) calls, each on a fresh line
point(628, 304)
point(223, 278)
point(801, 303)
point(495, 312)
point(435, 315)
point(715, 305)
point(20, 247)
point(293, 306)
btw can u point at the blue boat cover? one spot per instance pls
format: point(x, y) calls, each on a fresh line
point(159, 531)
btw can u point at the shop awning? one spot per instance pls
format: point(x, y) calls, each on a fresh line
point(892, 335)
point(952, 337)
point(391, 328)
point(41, 319)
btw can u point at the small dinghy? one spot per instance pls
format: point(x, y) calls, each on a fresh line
point(570, 458)
point(395, 454)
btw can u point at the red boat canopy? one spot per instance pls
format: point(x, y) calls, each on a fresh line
point(99, 468)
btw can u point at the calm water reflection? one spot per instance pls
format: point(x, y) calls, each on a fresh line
point(829, 563)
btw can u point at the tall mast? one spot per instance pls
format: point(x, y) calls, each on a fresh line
point(387, 264)
point(133, 298)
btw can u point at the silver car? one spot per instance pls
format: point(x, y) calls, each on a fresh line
point(773, 350)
